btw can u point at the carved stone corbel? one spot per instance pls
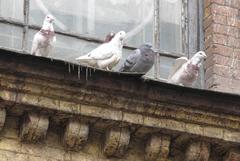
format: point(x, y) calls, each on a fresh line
point(116, 142)
point(198, 151)
point(2, 117)
point(157, 148)
point(75, 134)
point(232, 155)
point(34, 127)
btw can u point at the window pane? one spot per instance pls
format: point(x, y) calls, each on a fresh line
point(96, 18)
point(11, 9)
point(10, 36)
point(170, 25)
point(165, 65)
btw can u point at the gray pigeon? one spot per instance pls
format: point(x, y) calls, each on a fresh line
point(140, 61)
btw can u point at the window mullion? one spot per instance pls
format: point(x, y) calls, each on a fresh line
point(156, 38)
point(26, 23)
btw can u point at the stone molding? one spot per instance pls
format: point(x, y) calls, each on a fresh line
point(116, 141)
point(232, 155)
point(2, 117)
point(75, 134)
point(33, 127)
point(157, 148)
point(197, 151)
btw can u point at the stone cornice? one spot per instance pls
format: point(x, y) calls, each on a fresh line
point(107, 99)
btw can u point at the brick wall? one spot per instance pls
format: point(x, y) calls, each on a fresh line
point(222, 44)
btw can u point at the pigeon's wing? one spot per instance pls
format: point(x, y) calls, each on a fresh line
point(102, 52)
point(130, 61)
point(177, 64)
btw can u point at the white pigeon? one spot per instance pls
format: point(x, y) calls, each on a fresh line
point(107, 55)
point(184, 72)
point(43, 41)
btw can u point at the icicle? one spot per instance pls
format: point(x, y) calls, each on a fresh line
point(69, 68)
point(86, 74)
point(79, 72)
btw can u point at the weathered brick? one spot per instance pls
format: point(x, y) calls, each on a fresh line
point(207, 3)
point(224, 10)
point(220, 39)
point(223, 29)
point(222, 2)
point(233, 42)
point(233, 3)
point(208, 21)
point(207, 12)
point(233, 21)
point(219, 19)
point(221, 50)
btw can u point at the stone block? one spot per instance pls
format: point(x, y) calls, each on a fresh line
point(157, 147)
point(116, 142)
point(76, 134)
point(232, 155)
point(197, 151)
point(33, 127)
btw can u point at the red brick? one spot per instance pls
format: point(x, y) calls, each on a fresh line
point(236, 75)
point(233, 3)
point(222, 2)
point(217, 82)
point(225, 30)
point(219, 19)
point(233, 42)
point(220, 39)
point(207, 3)
point(207, 12)
point(219, 70)
point(221, 50)
point(233, 21)
point(224, 10)
point(208, 21)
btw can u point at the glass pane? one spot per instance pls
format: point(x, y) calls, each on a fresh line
point(10, 36)
point(11, 9)
point(96, 18)
point(170, 25)
point(165, 66)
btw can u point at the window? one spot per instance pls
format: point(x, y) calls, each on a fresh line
point(81, 25)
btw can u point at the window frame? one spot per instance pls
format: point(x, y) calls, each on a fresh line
point(187, 34)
